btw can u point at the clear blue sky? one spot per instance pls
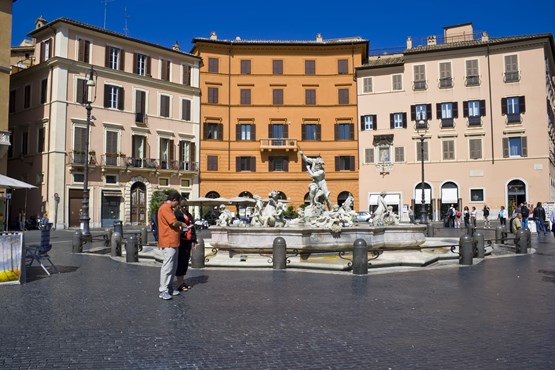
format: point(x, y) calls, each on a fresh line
point(385, 24)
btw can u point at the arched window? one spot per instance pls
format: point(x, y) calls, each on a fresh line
point(281, 195)
point(212, 194)
point(342, 197)
point(307, 199)
point(245, 194)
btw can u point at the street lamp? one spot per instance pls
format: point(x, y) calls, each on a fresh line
point(421, 128)
point(90, 97)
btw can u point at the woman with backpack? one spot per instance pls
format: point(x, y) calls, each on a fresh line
point(187, 239)
point(485, 211)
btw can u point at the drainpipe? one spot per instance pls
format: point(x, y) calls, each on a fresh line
point(229, 108)
point(490, 106)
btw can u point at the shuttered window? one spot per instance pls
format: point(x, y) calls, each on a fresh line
point(186, 109)
point(245, 67)
point(213, 95)
point(399, 154)
point(448, 147)
point(309, 67)
point(310, 97)
point(164, 105)
point(212, 163)
point(277, 67)
point(83, 54)
point(277, 96)
point(475, 148)
point(343, 66)
point(245, 96)
point(369, 155)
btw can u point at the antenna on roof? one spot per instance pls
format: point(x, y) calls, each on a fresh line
point(125, 29)
point(105, 2)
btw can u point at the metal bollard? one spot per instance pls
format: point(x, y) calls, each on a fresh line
point(430, 230)
point(521, 242)
point(279, 256)
point(77, 242)
point(480, 250)
point(360, 257)
point(529, 239)
point(131, 249)
point(197, 254)
point(144, 236)
point(500, 234)
point(109, 233)
point(118, 227)
point(466, 250)
point(470, 230)
point(115, 243)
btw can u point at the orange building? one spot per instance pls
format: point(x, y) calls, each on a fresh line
point(265, 101)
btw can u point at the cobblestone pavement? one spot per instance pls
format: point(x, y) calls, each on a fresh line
point(100, 313)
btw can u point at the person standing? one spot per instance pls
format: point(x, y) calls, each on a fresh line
point(516, 224)
point(411, 215)
point(21, 219)
point(458, 216)
point(552, 221)
point(451, 213)
point(466, 214)
point(485, 211)
point(186, 242)
point(169, 229)
point(473, 216)
point(539, 217)
point(525, 212)
point(502, 216)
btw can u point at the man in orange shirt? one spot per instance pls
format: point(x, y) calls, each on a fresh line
point(168, 240)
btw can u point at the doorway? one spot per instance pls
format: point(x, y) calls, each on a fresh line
point(516, 194)
point(138, 204)
point(75, 204)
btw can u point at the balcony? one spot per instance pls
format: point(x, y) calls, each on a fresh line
point(159, 165)
point(77, 159)
point(141, 118)
point(447, 123)
point(511, 76)
point(513, 118)
point(472, 81)
point(419, 85)
point(278, 144)
point(113, 160)
point(446, 83)
point(474, 121)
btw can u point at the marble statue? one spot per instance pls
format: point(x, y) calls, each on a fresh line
point(318, 189)
point(384, 215)
point(226, 217)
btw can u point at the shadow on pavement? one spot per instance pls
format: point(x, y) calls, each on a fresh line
point(36, 272)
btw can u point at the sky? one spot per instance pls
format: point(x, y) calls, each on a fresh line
point(386, 24)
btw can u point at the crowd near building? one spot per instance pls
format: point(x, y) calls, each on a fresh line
point(231, 117)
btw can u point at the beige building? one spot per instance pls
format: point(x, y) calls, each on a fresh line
point(143, 133)
point(489, 106)
point(264, 101)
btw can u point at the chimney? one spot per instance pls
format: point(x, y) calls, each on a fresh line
point(409, 42)
point(319, 37)
point(432, 40)
point(213, 36)
point(175, 46)
point(485, 36)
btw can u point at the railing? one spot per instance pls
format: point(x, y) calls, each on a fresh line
point(511, 76)
point(113, 159)
point(513, 118)
point(140, 118)
point(472, 81)
point(474, 120)
point(148, 163)
point(445, 83)
point(419, 85)
point(272, 144)
point(447, 123)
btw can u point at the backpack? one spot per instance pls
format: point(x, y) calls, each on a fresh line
point(451, 212)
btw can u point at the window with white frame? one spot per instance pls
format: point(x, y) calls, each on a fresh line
point(475, 148)
point(419, 146)
point(421, 111)
point(399, 154)
point(245, 132)
point(445, 78)
point(398, 120)
point(447, 112)
point(397, 82)
point(164, 105)
point(513, 107)
point(515, 147)
point(114, 58)
point(420, 77)
point(511, 68)
point(113, 97)
point(472, 73)
point(186, 109)
point(141, 64)
point(369, 155)
point(368, 122)
point(384, 154)
point(448, 150)
point(367, 85)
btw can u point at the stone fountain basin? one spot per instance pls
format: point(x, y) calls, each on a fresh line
point(248, 238)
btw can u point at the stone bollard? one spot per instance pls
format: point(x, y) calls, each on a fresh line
point(115, 243)
point(131, 249)
point(279, 256)
point(197, 254)
point(466, 250)
point(77, 242)
point(360, 257)
point(521, 242)
point(500, 234)
point(144, 236)
point(480, 251)
point(430, 230)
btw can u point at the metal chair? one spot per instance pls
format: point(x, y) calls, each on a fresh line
point(39, 252)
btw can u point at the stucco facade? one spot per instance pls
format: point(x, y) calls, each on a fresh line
point(489, 106)
point(143, 132)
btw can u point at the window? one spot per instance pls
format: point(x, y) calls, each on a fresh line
point(345, 163)
point(12, 101)
point(369, 155)
point(277, 96)
point(79, 139)
point(277, 67)
point(45, 50)
point(310, 97)
point(165, 69)
point(368, 122)
point(421, 112)
point(512, 107)
point(114, 58)
point(78, 177)
point(311, 131)
point(164, 105)
point(213, 95)
point(278, 163)
point(445, 78)
point(344, 131)
point(398, 120)
point(187, 72)
point(515, 147)
point(212, 163)
point(166, 154)
point(472, 73)
point(84, 52)
point(82, 91)
point(511, 69)
point(474, 110)
point(27, 96)
point(111, 179)
point(25, 143)
point(367, 85)
point(384, 154)
point(476, 195)
point(40, 140)
point(113, 97)
point(138, 150)
point(213, 65)
point(309, 67)
point(447, 112)
point(245, 67)
point(278, 131)
point(247, 164)
point(420, 77)
point(140, 106)
point(245, 96)
point(399, 154)
point(112, 148)
point(448, 149)
point(397, 82)
point(419, 151)
point(343, 96)
point(213, 131)
point(43, 90)
point(187, 155)
point(245, 132)
point(343, 66)
point(186, 109)
point(475, 148)
point(142, 64)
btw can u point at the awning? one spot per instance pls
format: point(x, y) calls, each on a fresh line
point(10, 183)
point(112, 193)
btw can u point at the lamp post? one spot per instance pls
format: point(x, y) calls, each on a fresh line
point(421, 128)
point(90, 97)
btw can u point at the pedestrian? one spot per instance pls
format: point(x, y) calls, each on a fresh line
point(502, 216)
point(187, 241)
point(552, 221)
point(525, 212)
point(485, 212)
point(169, 229)
point(458, 216)
point(154, 225)
point(473, 216)
point(539, 218)
point(21, 219)
point(516, 224)
point(411, 215)
point(450, 217)
point(466, 214)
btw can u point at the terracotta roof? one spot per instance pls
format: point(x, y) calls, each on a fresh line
point(340, 41)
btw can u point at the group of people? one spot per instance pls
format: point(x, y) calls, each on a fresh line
point(524, 212)
point(176, 238)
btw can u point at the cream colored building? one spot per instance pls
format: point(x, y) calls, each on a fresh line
point(489, 104)
point(143, 133)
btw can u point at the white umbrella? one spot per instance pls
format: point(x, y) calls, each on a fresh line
point(241, 201)
point(10, 183)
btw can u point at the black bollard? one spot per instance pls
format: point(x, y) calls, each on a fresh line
point(77, 242)
point(108, 236)
point(480, 250)
point(521, 242)
point(115, 243)
point(430, 230)
point(360, 257)
point(500, 234)
point(528, 239)
point(470, 230)
point(466, 250)
point(144, 236)
point(131, 249)
point(118, 227)
point(279, 257)
point(197, 254)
